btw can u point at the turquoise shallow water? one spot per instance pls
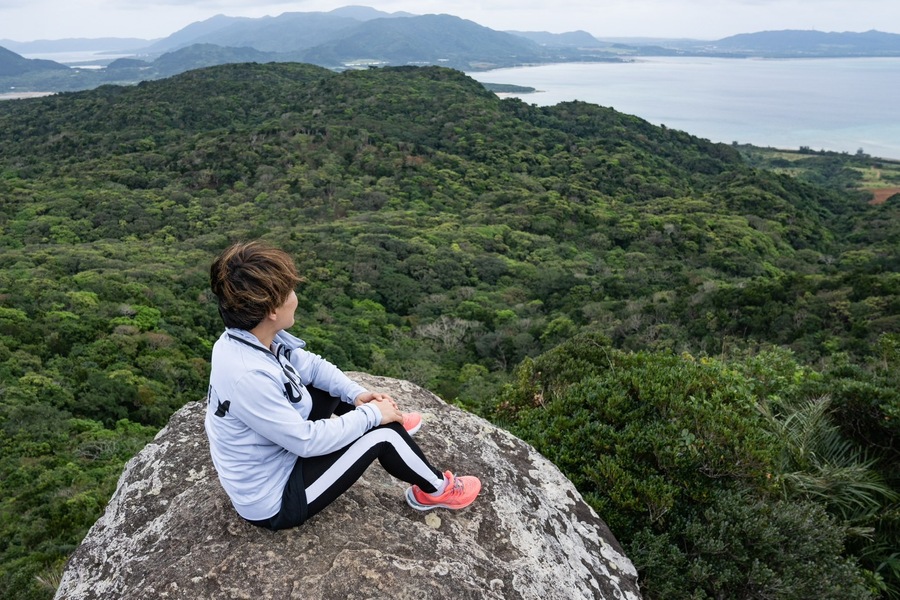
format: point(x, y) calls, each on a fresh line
point(826, 104)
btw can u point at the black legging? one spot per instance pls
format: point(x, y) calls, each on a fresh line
point(317, 481)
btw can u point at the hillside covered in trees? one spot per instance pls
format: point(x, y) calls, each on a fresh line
point(707, 349)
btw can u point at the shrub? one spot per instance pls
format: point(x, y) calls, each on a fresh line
point(676, 457)
point(746, 547)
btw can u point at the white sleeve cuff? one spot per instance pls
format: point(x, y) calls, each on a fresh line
point(355, 390)
point(372, 414)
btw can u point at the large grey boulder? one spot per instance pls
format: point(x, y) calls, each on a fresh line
point(170, 532)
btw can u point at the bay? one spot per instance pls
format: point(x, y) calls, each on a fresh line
point(81, 59)
point(842, 104)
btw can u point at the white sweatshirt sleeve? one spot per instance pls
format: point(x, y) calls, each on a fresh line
point(272, 417)
point(318, 372)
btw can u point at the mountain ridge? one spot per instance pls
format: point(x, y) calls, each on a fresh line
point(431, 39)
point(571, 38)
point(795, 42)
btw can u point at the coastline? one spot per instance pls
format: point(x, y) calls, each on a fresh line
point(24, 95)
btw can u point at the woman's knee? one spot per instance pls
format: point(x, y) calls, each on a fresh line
point(396, 426)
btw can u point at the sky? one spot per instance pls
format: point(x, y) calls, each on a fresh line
point(27, 20)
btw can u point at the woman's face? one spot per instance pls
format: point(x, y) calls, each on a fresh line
point(284, 314)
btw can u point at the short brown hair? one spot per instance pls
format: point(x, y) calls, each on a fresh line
point(250, 280)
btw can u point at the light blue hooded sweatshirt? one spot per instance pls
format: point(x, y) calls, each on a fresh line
point(257, 416)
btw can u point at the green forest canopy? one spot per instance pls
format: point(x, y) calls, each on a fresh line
point(457, 240)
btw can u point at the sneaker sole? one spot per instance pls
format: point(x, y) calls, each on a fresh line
point(411, 500)
point(415, 429)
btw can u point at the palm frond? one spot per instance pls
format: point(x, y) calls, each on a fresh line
point(817, 462)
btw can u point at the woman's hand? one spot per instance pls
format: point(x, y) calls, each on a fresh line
point(370, 396)
point(385, 404)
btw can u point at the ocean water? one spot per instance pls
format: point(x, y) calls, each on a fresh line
point(68, 58)
point(842, 104)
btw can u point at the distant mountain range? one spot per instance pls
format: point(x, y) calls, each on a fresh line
point(576, 39)
point(359, 37)
point(429, 39)
point(809, 43)
point(289, 32)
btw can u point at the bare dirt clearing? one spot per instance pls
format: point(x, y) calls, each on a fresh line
point(880, 195)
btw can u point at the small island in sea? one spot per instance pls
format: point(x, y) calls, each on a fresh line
point(508, 88)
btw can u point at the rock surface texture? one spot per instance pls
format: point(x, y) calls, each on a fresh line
point(170, 531)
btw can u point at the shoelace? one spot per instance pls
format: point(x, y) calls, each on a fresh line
point(457, 487)
point(447, 490)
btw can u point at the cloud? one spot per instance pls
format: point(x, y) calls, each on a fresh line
point(16, 4)
point(202, 4)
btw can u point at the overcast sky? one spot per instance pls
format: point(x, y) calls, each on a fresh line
point(26, 20)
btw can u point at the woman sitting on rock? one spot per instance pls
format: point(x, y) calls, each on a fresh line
point(278, 453)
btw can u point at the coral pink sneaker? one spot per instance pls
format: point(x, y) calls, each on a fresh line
point(459, 493)
point(412, 421)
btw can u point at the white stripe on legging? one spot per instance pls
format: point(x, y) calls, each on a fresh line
point(355, 452)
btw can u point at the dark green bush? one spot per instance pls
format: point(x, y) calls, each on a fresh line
point(644, 435)
point(676, 457)
point(743, 547)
